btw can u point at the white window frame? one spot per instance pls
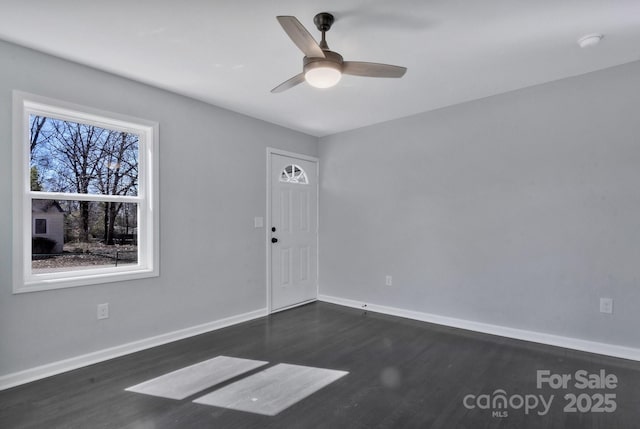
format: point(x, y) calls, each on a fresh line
point(24, 280)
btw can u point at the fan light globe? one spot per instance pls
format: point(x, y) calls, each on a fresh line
point(323, 77)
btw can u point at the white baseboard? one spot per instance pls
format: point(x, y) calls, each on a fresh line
point(519, 334)
point(32, 374)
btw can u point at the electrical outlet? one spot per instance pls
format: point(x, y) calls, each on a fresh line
point(388, 281)
point(606, 305)
point(103, 311)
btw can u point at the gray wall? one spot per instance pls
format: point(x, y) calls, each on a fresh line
point(519, 210)
point(212, 184)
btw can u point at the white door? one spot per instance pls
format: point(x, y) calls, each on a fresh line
point(293, 233)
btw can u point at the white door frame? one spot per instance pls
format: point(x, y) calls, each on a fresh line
point(268, 224)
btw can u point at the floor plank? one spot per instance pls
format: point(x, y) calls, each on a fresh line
point(402, 374)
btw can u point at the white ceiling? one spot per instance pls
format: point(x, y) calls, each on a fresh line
point(232, 53)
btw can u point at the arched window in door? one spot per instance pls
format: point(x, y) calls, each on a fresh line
point(294, 174)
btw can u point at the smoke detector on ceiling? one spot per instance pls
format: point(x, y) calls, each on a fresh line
point(590, 40)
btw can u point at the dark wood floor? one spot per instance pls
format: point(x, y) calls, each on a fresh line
point(403, 374)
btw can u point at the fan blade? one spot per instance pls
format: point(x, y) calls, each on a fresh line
point(287, 84)
point(358, 68)
point(300, 36)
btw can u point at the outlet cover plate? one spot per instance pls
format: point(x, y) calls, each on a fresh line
point(606, 305)
point(103, 311)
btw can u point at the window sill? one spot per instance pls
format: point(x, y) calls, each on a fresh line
point(49, 281)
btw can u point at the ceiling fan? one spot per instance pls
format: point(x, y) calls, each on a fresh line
point(322, 67)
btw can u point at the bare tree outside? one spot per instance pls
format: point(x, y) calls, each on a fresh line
point(118, 177)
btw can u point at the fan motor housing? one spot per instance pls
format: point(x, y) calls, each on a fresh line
point(332, 59)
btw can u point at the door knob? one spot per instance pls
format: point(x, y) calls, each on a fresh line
point(274, 240)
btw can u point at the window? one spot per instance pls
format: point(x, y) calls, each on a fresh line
point(85, 195)
point(41, 226)
point(294, 174)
